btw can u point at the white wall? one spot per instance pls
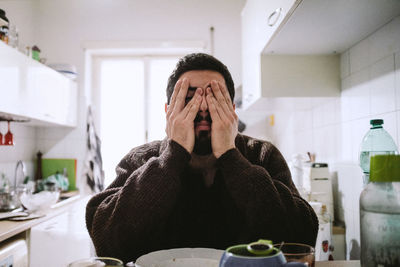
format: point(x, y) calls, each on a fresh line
point(61, 28)
point(333, 128)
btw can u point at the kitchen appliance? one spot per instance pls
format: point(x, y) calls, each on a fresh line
point(323, 245)
point(321, 186)
point(14, 253)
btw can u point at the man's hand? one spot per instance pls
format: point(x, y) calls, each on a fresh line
point(180, 118)
point(224, 127)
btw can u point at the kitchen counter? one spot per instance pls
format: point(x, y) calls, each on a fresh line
point(11, 228)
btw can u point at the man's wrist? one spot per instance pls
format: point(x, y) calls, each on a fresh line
point(219, 154)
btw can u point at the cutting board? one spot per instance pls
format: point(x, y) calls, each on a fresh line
point(51, 166)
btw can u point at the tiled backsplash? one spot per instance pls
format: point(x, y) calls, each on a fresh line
point(24, 140)
point(333, 128)
point(53, 142)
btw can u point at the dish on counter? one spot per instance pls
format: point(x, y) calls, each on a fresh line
point(39, 201)
point(181, 257)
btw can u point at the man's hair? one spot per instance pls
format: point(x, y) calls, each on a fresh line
point(199, 61)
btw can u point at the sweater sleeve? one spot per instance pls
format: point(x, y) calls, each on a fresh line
point(267, 197)
point(124, 221)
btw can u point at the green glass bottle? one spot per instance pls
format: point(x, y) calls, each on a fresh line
point(380, 213)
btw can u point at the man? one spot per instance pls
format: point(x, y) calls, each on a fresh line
point(204, 185)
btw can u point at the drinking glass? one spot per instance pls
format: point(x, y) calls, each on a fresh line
point(97, 262)
point(296, 252)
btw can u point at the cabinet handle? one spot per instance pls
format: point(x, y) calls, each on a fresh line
point(274, 17)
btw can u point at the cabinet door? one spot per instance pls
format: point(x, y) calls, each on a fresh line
point(32, 90)
point(60, 241)
point(260, 19)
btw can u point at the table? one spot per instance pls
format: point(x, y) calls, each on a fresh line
point(337, 264)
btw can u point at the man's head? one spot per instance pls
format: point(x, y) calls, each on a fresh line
point(200, 69)
point(199, 61)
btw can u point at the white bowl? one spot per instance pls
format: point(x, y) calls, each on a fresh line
point(39, 201)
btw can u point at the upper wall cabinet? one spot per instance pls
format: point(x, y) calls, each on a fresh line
point(260, 20)
point(300, 55)
point(30, 90)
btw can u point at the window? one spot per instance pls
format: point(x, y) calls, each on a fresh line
point(132, 97)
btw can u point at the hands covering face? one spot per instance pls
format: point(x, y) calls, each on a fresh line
point(180, 118)
point(180, 126)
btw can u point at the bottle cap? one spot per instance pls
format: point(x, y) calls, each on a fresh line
point(376, 122)
point(385, 168)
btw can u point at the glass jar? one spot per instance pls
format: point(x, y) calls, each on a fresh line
point(380, 213)
point(3, 26)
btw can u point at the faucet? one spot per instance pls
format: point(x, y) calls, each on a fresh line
point(21, 164)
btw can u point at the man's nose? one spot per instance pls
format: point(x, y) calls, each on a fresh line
point(203, 105)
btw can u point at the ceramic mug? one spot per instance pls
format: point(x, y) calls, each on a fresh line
point(244, 255)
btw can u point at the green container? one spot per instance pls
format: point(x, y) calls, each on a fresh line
point(36, 55)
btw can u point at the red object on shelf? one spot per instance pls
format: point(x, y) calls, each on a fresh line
point(8, 138)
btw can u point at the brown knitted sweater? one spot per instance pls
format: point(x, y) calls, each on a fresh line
point(158, 202)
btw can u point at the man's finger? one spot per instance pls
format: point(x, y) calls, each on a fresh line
point(217, 91)
point(195, 101)
point(180, 98)
point(220, 98)
point(211, 106)
point(174, 93)
point(227, 96)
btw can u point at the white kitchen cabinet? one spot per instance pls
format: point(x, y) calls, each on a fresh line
point(31, 90)
point(260, 20)
point(300, 55)
point(61, 239)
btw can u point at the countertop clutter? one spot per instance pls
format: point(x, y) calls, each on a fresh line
point(59, 232)
point(11, 228)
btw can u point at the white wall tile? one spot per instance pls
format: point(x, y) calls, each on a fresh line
point(383, 86)
point(305, 145)
point(385, 41)
point(345, 100)
point(359, 94)
point(325, 143)
point(325, 113)
point(359, 56)
point(318, 101)
point(257, 124)
point(338, 110)
point(330, 111)
point(390, 124)
point(397, 80)
point(302, 120)
point(359, 129)
point(345, 154)
point(344, 64)
point(318, 116)
point(398, 130)
point(51, 148)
